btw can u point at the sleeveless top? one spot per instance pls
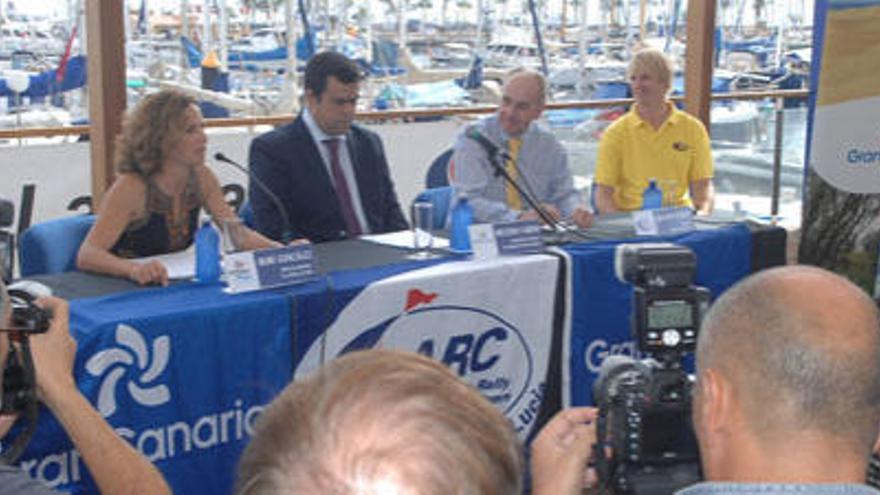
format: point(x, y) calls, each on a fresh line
point(160, 231)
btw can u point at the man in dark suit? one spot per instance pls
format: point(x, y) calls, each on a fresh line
point(330, 175)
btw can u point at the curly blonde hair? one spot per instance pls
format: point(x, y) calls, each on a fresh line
point(146, 130)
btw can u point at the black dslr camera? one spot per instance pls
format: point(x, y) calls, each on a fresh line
point(645, 440)
point(19, 394)
point(19, 383)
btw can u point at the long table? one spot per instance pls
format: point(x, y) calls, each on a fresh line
point(183, 371)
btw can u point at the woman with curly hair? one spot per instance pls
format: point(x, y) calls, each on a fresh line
point(162, 182)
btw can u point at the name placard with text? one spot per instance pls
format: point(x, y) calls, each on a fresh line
point(663, 221)
point(508, 238)
point(276, 267)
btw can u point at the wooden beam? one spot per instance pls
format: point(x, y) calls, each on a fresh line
point(106, 68)
point(699, 58)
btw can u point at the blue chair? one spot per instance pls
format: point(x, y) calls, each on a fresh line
point(438, 173)
point(440, 197)
point(51, 246)
point(246, 213)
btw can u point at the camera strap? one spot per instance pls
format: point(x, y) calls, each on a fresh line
point(11, 454)
point(600, 453)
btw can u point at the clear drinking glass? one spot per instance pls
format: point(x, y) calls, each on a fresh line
point(670, 191)
point(422, 227)
point(232, 232)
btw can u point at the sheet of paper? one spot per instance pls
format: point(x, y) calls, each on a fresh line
point(181, 265)
point(403, 239)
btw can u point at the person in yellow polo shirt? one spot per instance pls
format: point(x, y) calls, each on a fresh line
point(654, 140)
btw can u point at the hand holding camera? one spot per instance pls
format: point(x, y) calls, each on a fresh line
point(20, 318)
point(561, 453)
point(53, 352)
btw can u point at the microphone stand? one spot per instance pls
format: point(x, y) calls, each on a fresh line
point(500, 170)
point(286, 235)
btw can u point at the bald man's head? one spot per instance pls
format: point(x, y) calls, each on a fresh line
point(801, 348)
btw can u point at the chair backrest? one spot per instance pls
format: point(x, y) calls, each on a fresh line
point(440, 197)
point(51, 246)
point(246, 213)
point(438, 172)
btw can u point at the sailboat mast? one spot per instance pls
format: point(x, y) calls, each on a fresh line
point(582, 41)
point(563, 20)
point(781, 20)
point(184, 31)
point(223, 35)
point(401, 24)
point(289, 94)
point(539, 39)
point(207, 38)
point(643, 6)
point(478, 40)
point(340, 23)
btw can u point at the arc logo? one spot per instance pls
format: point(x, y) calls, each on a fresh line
point(478, 345)
point(133, 362)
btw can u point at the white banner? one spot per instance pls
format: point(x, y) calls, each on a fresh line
point(845, 150)
point(490, 321)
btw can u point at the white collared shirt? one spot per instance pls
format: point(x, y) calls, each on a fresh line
point(344, 161)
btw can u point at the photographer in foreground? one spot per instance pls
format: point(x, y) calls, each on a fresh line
point(381, 422)
point(116, 466)
point(787, 395)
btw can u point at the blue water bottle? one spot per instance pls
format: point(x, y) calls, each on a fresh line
point(652, 198)
point(462, 217)
point(207, 254)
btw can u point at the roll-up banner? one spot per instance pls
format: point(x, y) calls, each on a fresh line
point(841, 212)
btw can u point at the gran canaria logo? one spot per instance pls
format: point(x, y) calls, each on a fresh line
point(132, 352)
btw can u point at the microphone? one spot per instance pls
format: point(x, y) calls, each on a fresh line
point(286, 235)
point(491, 147)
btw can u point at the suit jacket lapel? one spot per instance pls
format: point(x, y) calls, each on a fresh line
point(359, 171)
point(314, 166)
point(353, 155)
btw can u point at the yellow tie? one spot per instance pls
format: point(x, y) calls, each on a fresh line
point(513, 199)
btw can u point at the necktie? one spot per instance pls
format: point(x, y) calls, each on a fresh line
point(513, 199)
point(342, 192)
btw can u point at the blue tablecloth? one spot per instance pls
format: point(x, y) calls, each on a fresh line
point(181, 372)
point(601, 305)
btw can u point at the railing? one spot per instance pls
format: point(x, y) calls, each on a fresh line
point(779, 96)
point(83, 130)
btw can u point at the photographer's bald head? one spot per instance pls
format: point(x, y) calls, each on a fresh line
point(788, 386)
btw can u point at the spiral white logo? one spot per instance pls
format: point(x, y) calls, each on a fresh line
point(114, 362)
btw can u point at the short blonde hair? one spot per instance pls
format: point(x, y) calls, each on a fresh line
point(653, 62)
point(379, 419)
point(145, 132)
